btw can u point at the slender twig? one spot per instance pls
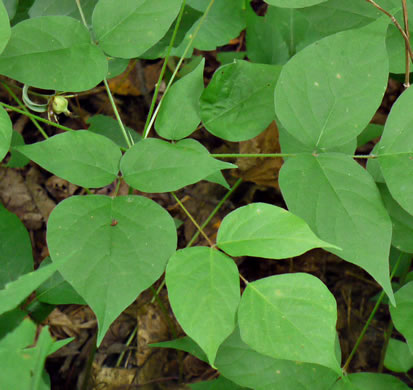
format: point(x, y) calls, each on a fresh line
point(165, 63)
point(406, 30)
point(397, 24)
point(191, 41)
point(24, 108)
point(373, 312)
point(39, 118)
point(192, 219)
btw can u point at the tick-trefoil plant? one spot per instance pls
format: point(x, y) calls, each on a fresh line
point(320, 69)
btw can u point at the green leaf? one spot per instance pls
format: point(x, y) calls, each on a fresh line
point(183, 344)
point(402, 237)
point(109, 127)
point(402, 314)
point(154, 165)
point(340, 88)
point(5, 30)
point(116, 66)
point(212, 280)
point(81, 157)
point(16, 256)
point(227, 57)
point(264, 230)
point(277, 36)
point(17, 160)
point(20, 337)
point(109, 249)
point(269, 325)
point(342, 205)
point(15, 292)
point(398, 356)
point(370, 381)
point(224, 22)
point(6, 130)
point(246, 367)
point(395, 151)
point(179, 114)
point(238, 103)
point(371, 132)
point(117, 28)
point(294, 3)
point(63, 7)
point(11, 7)
point(60, 54)
point(56, 291)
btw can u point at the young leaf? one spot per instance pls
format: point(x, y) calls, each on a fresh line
point(264, 230)
point(341, 87)
point(16, 256)
point(398, 356)
point(110, 250)
point(342, 205)
point(116, 28)
point(402, 222)
point(5, 30)
point(270, 326)
point(15, 292)
point(238, 103)
point(154, 165)
point(402, 314)
point(60, 54)
point(212, 280)
point(370, 381)
point(246, 367)
point(6, 130)
point(63, 7)
point(294, 3)
point(179, 114)
point(395, 151)
point(81, 157)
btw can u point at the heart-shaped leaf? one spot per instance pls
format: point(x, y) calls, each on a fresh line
point(109, 249)
point(117, 28)
point(81, 157)
point(264, 230)
point(341, 87)
point(291, 317)
point(212, 280)
point(342, 205)
point(154, 165)
point(53, 52)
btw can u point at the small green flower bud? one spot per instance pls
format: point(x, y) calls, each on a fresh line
point(60, 104)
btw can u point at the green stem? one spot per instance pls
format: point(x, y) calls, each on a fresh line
point(219, 205)
point(82, 15)
point(195, 33)
point(373, 312)
point(115, 110)
point(192, 219)
point(39, 118)
point(20, 103)
point(165, 63)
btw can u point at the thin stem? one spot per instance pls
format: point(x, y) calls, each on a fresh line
point(192, 219)
point(406, 30)
point(39, 118)
point(171, 325)
point(115, 194)
point(128, 343)
point(373, 312)
point(195, 33)
point(82, 15)
point(243, 279)
point(165, 63)
point(115, 110)
point(219, 205)
point(397, 24)
point(20, 103)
